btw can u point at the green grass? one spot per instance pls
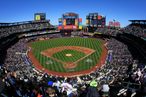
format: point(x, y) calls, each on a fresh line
point(84, 64)
point(62, 55)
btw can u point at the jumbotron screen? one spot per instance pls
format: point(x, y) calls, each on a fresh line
point(70, 21)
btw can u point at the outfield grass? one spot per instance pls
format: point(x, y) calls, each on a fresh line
point(84, 64)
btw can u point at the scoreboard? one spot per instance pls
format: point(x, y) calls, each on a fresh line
point(70, 21)
point(39, 16)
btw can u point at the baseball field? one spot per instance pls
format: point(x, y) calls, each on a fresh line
point(67, 55)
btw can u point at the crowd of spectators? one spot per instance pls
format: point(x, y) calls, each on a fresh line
point(18, 77)
point(135, 30)
point(12, 29)
point(21, 79)
point(109, 31)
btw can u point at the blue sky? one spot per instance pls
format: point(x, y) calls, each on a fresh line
point(120, 10)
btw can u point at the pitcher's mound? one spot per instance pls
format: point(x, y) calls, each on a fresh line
point(68, 55)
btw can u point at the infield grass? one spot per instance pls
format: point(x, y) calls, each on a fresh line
point(75, 55)
point(53, 65)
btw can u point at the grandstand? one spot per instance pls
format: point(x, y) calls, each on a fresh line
point(7, 29)
point(120, 72)
point(137, 28)
point(139, 23)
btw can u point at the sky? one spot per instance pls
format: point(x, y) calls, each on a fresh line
point(119, 10)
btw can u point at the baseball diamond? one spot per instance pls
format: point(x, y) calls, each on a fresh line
point(67, 55)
